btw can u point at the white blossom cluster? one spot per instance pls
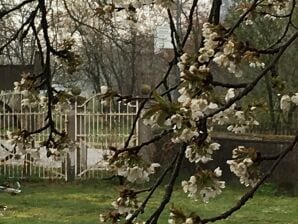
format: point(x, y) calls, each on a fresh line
point(286, 101)
point(272, 9)
point(16, 138)
point(202, 153)
point(133, 168)
point(280, 8)
point(136, 173)
point(124, 206)
point(29, 97)
point(184, 121)
point(24, 88)
point(238, 121)
point(174, 219)
point(243, 166)
point(204, 184)
point(210, 43)
point(22, 145)
point(227, 58)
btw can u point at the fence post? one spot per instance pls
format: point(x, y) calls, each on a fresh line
point(70, 162)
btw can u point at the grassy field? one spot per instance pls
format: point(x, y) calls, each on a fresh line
point(57, 203)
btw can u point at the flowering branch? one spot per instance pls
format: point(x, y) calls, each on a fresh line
point(152, 190)
point(279, 40)
point(251, 193)
point(242, 17)
point(169, 188)
point(251, 86)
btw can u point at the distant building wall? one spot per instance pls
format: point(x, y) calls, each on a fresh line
point(12, 73)
point(285, 176)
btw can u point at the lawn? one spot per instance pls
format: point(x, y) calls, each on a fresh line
point(57, 203)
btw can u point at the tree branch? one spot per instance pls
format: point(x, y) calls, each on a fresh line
point(251, 193)
point(251, 86)
point(152, 190)
point(169, 188)
point(19, 6)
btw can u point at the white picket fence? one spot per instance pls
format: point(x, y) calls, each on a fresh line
point(94, 125)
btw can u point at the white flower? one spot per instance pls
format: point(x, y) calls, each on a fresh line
point(210, 53)
point(187, 134)
point(189, 221)
point(181, 66)
point(214, 146)
point(176, 119)
point(229, 48)
point(25, 102)
point(203, 58)
point(248, 22)
point(252, 64)
point(184, 99)
point(184, 58)
point(285, 103)
point(294, 99)
point(101, 218)
point(151, 169)
point(23, 81)
point(197, 107)
point(232, 67)
point(218, 172)
point(239, 115)
point(230, 95)
point(16, 84)
point(212, 106)
point(103, 89)
point(9, 134)
point(202, 154)
point(203, 68)
point(192, 69)
point(134, 173)
point(171, 221)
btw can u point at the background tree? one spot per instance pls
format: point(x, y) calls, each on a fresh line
point(205, 98)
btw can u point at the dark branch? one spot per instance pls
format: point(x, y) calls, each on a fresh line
point(152, 190)
point(169, 188)
point(229, 85)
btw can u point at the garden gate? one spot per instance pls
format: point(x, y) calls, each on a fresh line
point(100, 124)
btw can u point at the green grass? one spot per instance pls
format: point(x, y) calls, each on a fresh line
point(57, 203)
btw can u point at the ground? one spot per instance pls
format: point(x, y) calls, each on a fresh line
point(82, 202)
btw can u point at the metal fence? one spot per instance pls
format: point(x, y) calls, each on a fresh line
point(100, 124)
point(16, 113)
point(94, 126)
